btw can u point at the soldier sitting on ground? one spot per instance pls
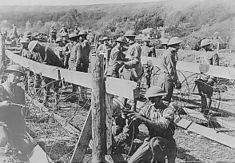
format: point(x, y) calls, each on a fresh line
point(12, 98)
point(160, 146)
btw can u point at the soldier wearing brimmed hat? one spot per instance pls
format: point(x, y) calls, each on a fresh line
point(117, 58)
point(104, 49)
point(205, 83)
point(45, 55)
point(12, 123)
point(160, 146)
point(168, 78)
point(24, 52)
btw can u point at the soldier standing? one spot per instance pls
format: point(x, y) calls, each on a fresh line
point(104, 49)
point(116, 58)
point(168, 77)
point(205, 83)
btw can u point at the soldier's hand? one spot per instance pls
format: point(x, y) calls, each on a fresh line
point(135, 116)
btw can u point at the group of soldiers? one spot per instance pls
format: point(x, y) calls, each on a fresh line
point(121, 60)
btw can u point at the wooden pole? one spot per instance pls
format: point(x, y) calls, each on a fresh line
point(98, 111)
point(2, 55)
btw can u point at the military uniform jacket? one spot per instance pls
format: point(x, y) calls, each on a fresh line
point(115, 56)
point(163, 116)
point(168, 66)
point(75, 56)
point(86, 48)
point(134, 52)
point(105, 50)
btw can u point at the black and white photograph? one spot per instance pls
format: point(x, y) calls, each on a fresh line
point(117, 81)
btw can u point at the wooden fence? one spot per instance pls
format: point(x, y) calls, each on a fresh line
point(118, 87)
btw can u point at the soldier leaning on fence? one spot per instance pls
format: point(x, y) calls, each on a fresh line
point(12, 123)
point(160, 146)
point(46, 56)
point(24, 52)
point(116, 58)
point(205, 83)
point(168, 78)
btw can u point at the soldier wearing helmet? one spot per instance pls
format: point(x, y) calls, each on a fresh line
point(146, 49)
point(132, 68)
point(116, 58)
point(160, 146)
point(12, 100)
point(168, 78)
point(205, 82)
point(164, 43)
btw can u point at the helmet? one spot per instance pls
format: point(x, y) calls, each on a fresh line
point(121, 40)
point(24, 40)
point(174, 41)
point(27, 34)
point(59, 39)
point(130, 33)
point(32, 45)
point(15, 68)
point(105, 38)
point(81, 33)
point(164, 41)
point(73, 35)
point(146, 39)
point(205, 42)
point(154, 91)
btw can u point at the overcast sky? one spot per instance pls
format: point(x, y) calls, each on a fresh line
point(66, 2)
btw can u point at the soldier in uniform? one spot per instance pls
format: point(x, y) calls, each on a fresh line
point(146, 50)
point(132, 69)
point(24, 52)
point(12, 99)
point(59, 50)
point(117, 58)
point(160, 146)
point(47, 56)
point(205, 83)
point(52, 34)
point(168, 78)
point(105, 50)
point(86, 49)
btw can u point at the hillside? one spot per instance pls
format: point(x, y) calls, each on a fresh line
point(192, 20)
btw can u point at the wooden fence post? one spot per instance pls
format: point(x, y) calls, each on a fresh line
point(98, 111)
point(2, 55)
